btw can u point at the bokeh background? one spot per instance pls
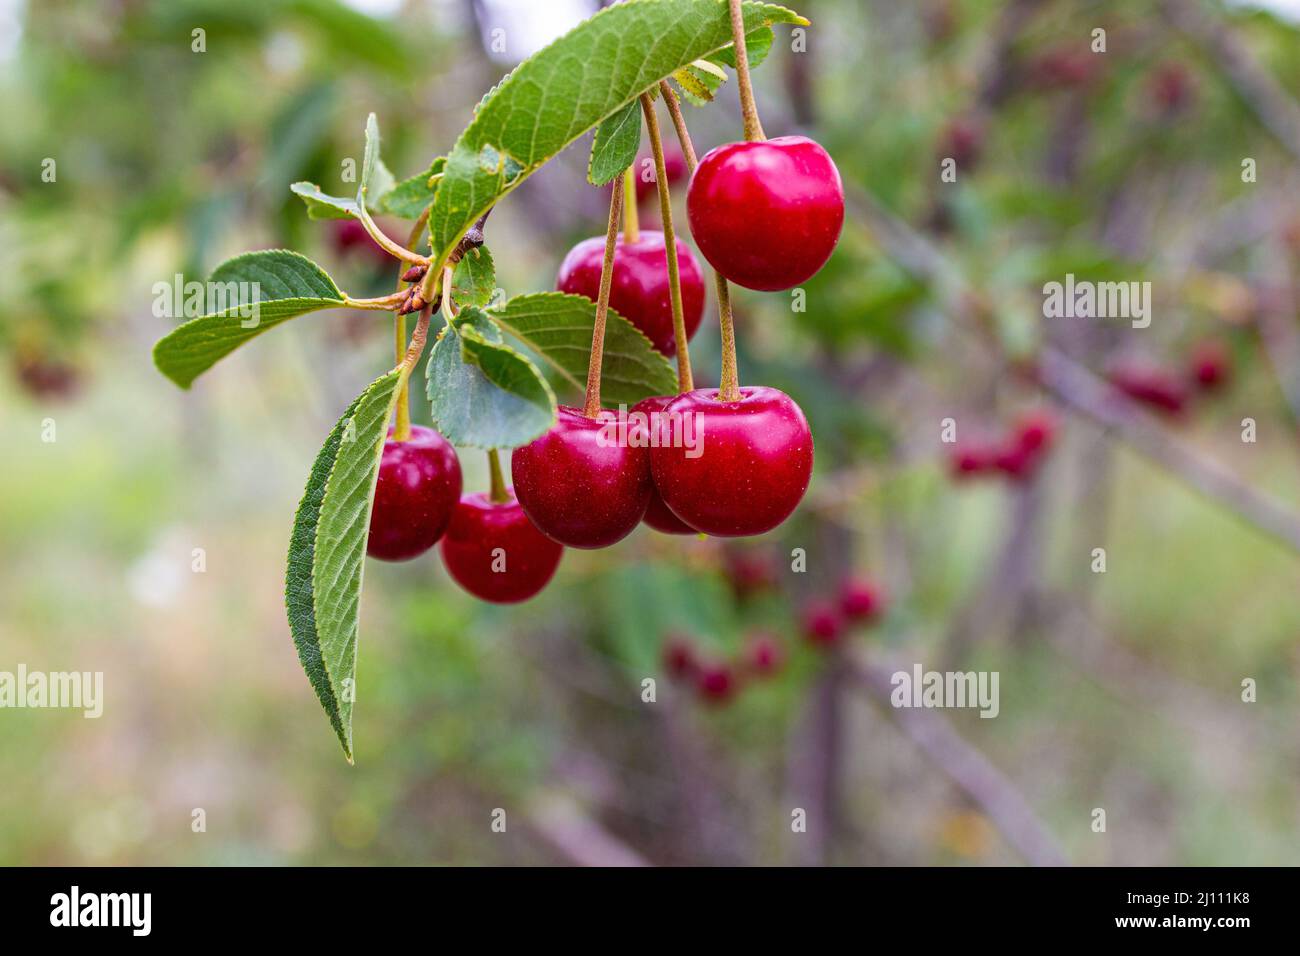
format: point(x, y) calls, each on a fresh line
point(1119, 690)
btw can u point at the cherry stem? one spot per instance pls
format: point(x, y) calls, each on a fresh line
point(591, 408)
point(685, 381)
point(448, 306)
point(497, 489)
point(729, 385)
point(402, 428)
point(753, 128)
point(631, 221)
point(390, 247)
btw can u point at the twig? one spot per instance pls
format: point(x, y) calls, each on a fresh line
point(970, 770)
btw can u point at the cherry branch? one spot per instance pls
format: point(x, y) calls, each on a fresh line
point(970, 770)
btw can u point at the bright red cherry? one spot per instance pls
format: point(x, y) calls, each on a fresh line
point(766, 215)
point(657, 514)
point(744, 466)
point(763, 655)
point(860, 600)
point(1035, 430)
point(493, 551)
point(418, 487)
point(822, 623)
point(640, 291)
point(716, 682)
point(582, 483)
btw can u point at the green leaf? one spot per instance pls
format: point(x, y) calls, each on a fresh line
point(696, 91)
point(573, 84)
point(412, 196)
point(481, 391)
point(327, 551)
point(558, 327)
point(322, 206)
point(701, 80)
point(615, 146)
point(475, 280)
point(256, 291)
point(373, 170)
point(758, 44)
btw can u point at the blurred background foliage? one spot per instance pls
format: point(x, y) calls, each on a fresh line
point(1119, 690)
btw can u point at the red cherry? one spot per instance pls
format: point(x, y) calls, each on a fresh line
point(1211, 366)
point(822, 623)
point(1015, 461)
point(674, 166)
point(746, 465)
point(679, 657)
point(1172, 87)
point(963, 141)
point(657, 514)
point(1035, 430)
point(749, 571)
point(640, 291)
point(418, 487)
point(716, 682)
point(763, 655)
point(860, 600)
point(1150, 385)
point(766, 215)
point(971, 458)
point(579, 483)
point(349, 237)
point(493, 551)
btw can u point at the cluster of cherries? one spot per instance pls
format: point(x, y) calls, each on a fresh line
point(1016, 455)
point(824, 623)
point(1170, 391)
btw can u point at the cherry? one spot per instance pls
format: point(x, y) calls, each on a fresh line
point(657, 514)
point(766, 215)
point(972, 458)
point(860, 600)
point(640, 291)
point(763, 655)
point(749, 572)
point(1172, 88)
point(962, 140)
point(747, 467)
point(349, 237)
point(579, 484)
point(716, 682)
point(1035, 430)
point(1211, 365)
point(493, 551)
point(822, 623)
point(418, 487)
point(1150, 385)
point(679, 657)
point(674, 166)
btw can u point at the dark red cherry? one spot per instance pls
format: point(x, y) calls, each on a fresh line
point(766, 215)
point(349, 238)
point(640, 290)
point(585, 483)
point(1211, 366)
point(645, 416)
point(679, 657)
point(741, 468)
point(418, 487)
point(1151, 385)
point(822, 623)
point(716, 682)
point(493, 551)
point(972, 458)
point(860, 600)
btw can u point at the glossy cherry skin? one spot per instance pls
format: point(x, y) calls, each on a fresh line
point(582, 483)
point(640, 290)
point(524, 563)
point(752, 460)
point(418, 487)
point(657, 514)
point(766, 215)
